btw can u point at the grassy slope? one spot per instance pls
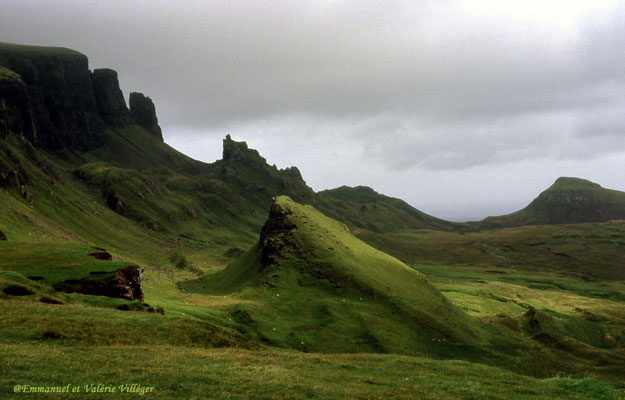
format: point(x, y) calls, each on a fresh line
point(333, 293)
point(567, 201)
point(364, 208)
point(26, 51)
point(177, 372)
point(54, 262)
point(586, 251)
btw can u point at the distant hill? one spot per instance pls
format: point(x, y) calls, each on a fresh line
point(567, 201)
point(364, 208)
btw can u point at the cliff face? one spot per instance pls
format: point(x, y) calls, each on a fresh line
point(49, 96)
point(109, 98)
point(14, 108)
point(144, 114)
point(61, 103)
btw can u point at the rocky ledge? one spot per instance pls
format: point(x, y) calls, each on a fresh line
point(123, 283)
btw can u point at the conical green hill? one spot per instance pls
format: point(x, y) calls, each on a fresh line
point(318, 287)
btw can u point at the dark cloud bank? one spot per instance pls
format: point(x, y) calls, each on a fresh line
point(460, 110)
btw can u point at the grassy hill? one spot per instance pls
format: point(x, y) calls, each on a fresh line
point(322, 289)
point(567, 201)
point(364, 208)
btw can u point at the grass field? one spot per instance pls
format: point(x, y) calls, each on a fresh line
point(183, 372)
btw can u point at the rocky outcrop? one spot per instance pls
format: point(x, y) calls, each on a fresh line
point(274, 236)
point(238, 151)
point(293, 172)
point(109, 97)
point(144, 113)
point(123, 283)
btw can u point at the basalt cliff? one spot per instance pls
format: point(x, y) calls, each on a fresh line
point(49, 96)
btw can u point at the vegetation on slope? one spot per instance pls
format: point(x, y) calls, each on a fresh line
point(567, 201)
point(322, 289)
point(363, 207)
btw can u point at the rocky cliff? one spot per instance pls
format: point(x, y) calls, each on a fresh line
point(14, 114)
point(49, 96)
point(144, 114)
point(110, 100)
point(61, 100)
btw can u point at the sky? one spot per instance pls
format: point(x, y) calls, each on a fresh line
point(464, 109)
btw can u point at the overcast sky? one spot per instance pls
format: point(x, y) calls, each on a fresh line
point(462, 108)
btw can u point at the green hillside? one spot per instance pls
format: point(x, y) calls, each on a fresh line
point(364, 208)
point(567, 201)
point(325, 290)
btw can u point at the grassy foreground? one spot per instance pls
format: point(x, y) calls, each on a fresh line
point(176, 372)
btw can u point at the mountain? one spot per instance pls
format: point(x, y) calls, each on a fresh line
point(325, 290)
point(73, 152)
point(567, 201)
point(364, 208)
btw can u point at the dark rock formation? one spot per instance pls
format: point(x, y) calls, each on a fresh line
point(14, 107)
point(293, 172)
point(238, 151)
point(49, 96)
point(101, 255)
point(274, 236)
point(123, 283)
point(144, 114)
point(50, 300)
point(109, 97)
point(59, 87)
point(17, 290)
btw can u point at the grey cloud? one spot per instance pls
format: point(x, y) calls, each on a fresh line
point(412, 87)
point(214, 63)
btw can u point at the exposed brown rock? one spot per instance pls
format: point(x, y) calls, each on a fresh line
point(123, 283)
point(101, 255)
point(274, 236)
